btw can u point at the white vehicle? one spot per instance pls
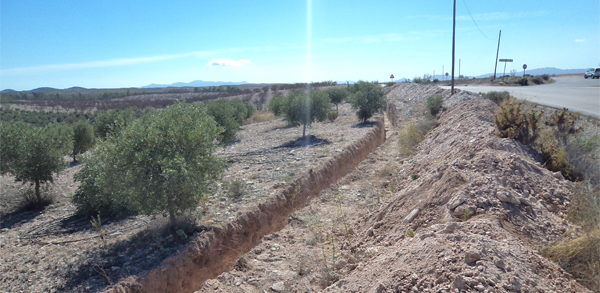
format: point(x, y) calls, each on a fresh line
point(593, 73)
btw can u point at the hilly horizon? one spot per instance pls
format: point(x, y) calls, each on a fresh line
point(202, 83)
point(195, 83)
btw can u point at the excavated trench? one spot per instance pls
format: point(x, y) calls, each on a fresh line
point(216, 251)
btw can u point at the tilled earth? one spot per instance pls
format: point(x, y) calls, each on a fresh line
point(467, 212)
point(54, 250)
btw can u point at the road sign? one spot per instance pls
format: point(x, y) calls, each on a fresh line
point(524, 66)
point(447, 74)
point(505, 60)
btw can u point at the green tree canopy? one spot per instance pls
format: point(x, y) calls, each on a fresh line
point(160, 163)
point(112, 121)
point(34, 154)
point(224, 113)
point(83, 138)
point(304, 108)
point(337, 95)
point(276, 104)
point(367, 98)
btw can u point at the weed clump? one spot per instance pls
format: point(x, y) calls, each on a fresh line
point(235, 189)
point(434, 104)
point(497, 97)
point(413, 134)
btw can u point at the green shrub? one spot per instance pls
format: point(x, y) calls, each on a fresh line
point(545, 76)
point(497, 97)
point(523, 81)
point(537, 80)
point(367, 98)
point(434, 104)
point(512, 123)
point(414, 176)
point(161, 163)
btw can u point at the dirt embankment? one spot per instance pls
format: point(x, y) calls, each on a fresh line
point(472, 219)
point(216, 251)
point(480, 209)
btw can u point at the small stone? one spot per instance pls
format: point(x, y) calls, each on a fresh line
point(370, 232)
point(379, 289)
point(450, 227)
point(340, 263)
point(480, 287)
point(525, 201)
point(459, 282)
point(472, 256)
point(500, 264)
point(410, 216)
point(113, 268)
point(278, 287)
point(507, 197)
point(456, 201)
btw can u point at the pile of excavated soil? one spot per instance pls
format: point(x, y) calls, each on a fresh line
point(473, 219)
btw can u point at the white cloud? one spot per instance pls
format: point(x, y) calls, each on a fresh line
point(228, 62)
point(97, 64)
point(579, 40)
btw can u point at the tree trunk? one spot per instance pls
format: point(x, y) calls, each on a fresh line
point(172, 217)
point(304, 131)
point(37, 191)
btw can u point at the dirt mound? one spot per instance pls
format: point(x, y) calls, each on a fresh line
point(472, 218)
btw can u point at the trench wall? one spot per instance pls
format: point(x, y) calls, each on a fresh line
point(216, 251)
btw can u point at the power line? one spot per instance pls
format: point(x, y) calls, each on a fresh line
point(476, 22)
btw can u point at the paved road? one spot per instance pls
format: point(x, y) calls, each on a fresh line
point(574, 93)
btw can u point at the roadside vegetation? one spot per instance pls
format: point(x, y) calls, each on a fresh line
point(412, 133)
point(569, 145)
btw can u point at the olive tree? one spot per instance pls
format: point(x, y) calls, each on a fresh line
point(162, 162)
point(302, 107)
point(83, 138)
point(337, 95)
point(276, 104)
point(367, 98)
point(34, 154)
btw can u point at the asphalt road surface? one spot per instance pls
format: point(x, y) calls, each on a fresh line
point(574, 93)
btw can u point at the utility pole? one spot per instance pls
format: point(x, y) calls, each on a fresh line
point(497, 51)
point(458, 68)
point(453, 40)
point(443, 76)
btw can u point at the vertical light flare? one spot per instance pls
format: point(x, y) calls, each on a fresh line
point(308, 69)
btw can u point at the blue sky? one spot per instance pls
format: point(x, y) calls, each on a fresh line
point(100, 44)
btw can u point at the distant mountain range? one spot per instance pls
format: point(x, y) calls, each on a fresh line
point(194, 84)
point(538, 71)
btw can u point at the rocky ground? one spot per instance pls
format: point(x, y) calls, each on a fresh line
point(53, 250)
point(467, 212)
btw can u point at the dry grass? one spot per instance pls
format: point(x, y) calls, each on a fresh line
point(413, 134)
point(260, 116)
point(580, 257)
